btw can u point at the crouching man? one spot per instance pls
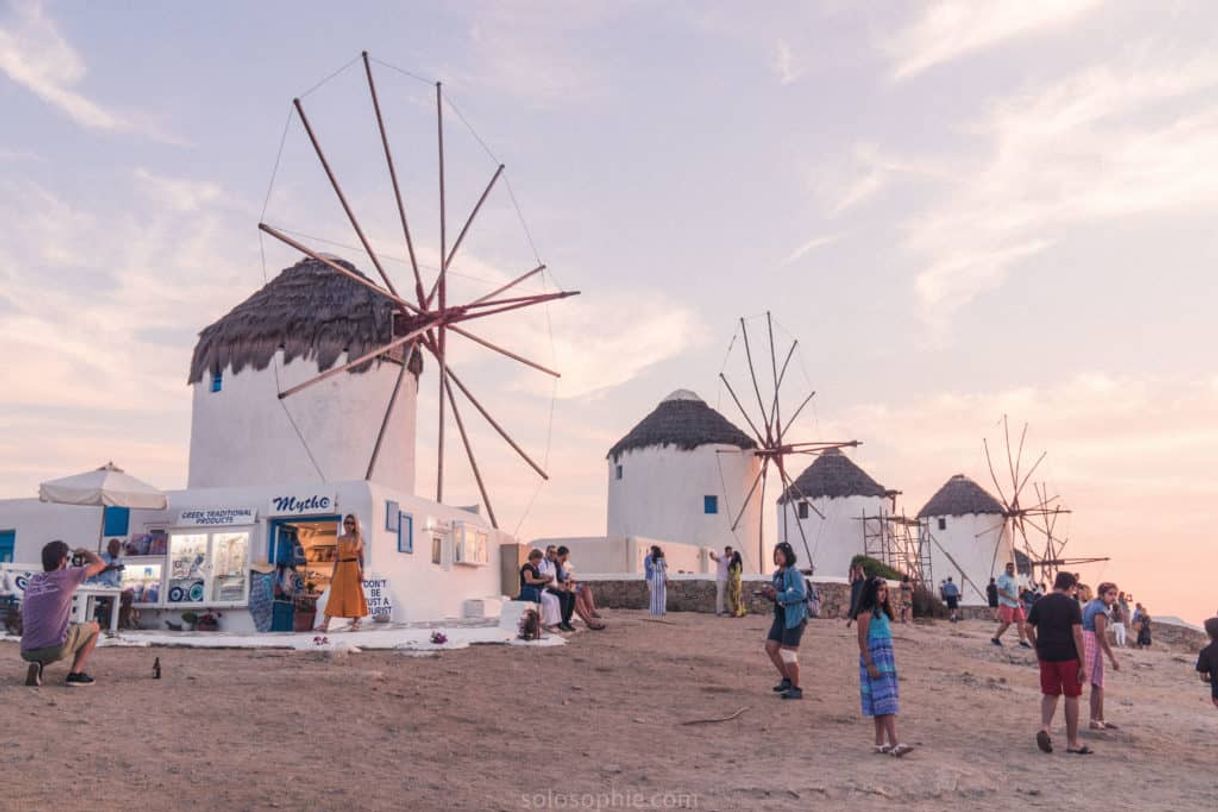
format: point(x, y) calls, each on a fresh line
point(48, 636)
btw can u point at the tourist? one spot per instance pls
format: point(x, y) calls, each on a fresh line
point(566, 601)
point(735, 586)
point(991, 598)
point(1116, 622)
point(878, 689)
point(722, 563)
point(1095, 645)
point(1010, 607)
point(111, 576)
point(1055, 626)
point(906, 599)
point(1126, 622)
point(568, 584)
point(951, 595)
point(1143, 628)
point(533, 589)
point(656, 571)
point(858, 579)
point(48, 635)
point(790, 598)
point(1207, 660)
point(346, 597)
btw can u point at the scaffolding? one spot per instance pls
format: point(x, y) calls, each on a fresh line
point(899, 542)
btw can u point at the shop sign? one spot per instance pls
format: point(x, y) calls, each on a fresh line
point(301, 503)
point(216, 517)
point(376, 593)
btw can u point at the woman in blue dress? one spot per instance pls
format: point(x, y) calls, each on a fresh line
point(656, 569)
point(878, 667)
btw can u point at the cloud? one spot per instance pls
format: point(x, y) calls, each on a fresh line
point(177, 194)
point(784, 64)
point(34, 54)
point(950, 29)
point(1103, 143)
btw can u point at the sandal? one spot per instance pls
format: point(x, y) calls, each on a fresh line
point(1081, 751)
point(596, 627)
point(881, 749)
point(1109, 726)
point(1044, 742)
point(899, 750)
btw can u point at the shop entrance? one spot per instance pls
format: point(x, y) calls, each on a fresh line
point(303, 551)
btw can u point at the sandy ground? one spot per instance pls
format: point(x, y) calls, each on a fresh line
point(499, 727)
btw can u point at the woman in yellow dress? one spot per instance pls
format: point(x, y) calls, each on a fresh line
point(735, 596)
point(347, 580)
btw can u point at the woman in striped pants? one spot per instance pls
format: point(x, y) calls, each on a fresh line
point(656, 569)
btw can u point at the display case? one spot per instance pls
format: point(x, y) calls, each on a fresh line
point(199, 568)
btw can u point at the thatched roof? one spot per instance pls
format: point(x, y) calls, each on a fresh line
point(309, 311)
point(958, 497)
point(832, 475)
point(685, 421)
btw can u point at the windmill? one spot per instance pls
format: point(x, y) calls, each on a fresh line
point(1043, 547)
point(772, 430)
point(425, 319)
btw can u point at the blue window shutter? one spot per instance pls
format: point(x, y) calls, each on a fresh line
point(118, 521)
point(710, 504)
point(8, 540)
point(217, 381)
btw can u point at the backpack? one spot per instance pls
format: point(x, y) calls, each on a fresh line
point(813, 599)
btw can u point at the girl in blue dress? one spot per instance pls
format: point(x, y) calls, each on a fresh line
point(877, 666)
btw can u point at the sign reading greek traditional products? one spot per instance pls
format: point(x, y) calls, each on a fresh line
point(299, 504)
point(376, 593)
point(216, 517)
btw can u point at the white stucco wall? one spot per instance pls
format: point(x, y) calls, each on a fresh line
point(660, 496)
point(980, 545)
point(420, 590)
point(600, 555)
point(241, 436)
point(833, 540)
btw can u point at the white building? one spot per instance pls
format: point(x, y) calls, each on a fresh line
point(253, 534)
point(682, 475)
point(843, 494)
point(969, 537)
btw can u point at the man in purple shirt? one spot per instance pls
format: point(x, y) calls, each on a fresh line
point(48, 636)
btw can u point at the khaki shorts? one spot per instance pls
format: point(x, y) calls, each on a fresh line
point(79, 634)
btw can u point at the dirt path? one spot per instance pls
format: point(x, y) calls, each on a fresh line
point(497, 727)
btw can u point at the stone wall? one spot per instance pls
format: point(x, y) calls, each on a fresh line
point(698, 595)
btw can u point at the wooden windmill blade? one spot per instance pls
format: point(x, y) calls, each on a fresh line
point(431, 317)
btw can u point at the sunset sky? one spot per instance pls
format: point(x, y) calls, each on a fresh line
point(961, 210)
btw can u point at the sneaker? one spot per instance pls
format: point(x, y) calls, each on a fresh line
point(76, 680)
point(996, 641)
point(33, 677)
point(782, 686)
point(793, 693)
point(1025, 644)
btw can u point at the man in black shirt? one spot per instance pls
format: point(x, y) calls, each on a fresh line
point(1207, 661)
point(1055, 626)
point(991, 597)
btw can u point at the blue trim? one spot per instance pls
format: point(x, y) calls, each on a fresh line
point(8, 543)
point(272, 534)
point(217, 381)
point(405, 539)
point(392, 513)
point(117, 521)
point(710, 504)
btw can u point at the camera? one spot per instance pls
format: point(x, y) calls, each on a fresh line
point(78, 560)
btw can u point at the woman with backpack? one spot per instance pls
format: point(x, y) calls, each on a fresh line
point(790, 598)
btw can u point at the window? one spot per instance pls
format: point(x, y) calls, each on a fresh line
point(470, 545)
point(803, 510)
point(405, 533)
point(617, 472)
point(217, 381)
point(8, 540)
point(710, 504)
point(117, 521)
point(942, 523)
point(437, 550)
point(392, 510)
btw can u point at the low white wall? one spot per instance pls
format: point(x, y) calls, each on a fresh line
point(625, 554)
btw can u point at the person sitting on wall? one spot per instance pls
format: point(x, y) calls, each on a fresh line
point(533, 589)
point(48, 635)
point(112, 576)
point(566, 600)
point(567, 583)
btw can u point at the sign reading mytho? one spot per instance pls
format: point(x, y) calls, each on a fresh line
point(216, 517)
point(300, 504)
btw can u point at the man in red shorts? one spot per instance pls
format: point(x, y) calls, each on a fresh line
point(1010, 607)
point(1055, 625)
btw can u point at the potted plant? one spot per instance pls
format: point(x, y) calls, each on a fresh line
point(190, 619)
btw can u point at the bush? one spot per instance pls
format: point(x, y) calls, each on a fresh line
point(873, 568)
point(927, 604)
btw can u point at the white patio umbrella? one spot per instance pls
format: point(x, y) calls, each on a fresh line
point(106, 487)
